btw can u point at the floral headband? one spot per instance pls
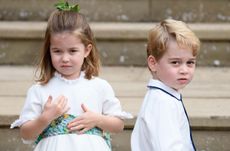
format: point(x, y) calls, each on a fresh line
point(65, 6)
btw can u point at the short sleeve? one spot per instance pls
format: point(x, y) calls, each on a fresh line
point(111, 104)
point(32, 107)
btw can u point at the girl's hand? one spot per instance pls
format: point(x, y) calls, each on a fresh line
point(56, 108)
point(85, 122)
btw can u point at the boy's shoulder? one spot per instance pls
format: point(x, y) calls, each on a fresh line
point(162, 91)
point(158, 99)
point(162, 97)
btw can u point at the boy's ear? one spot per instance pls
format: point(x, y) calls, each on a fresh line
point(88, 49)
point(152, 63)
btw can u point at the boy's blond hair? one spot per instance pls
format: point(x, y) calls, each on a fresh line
point(167, 30)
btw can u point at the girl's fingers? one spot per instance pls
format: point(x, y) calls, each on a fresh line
point(61, 100)
point(83, 131)
point(75, 122)
point(76, 128)
point(66, 109)
point(84, 108)
point(62, 103)
point(59, 105)
point(49, 100)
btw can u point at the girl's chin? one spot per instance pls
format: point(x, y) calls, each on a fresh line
point(70, 76)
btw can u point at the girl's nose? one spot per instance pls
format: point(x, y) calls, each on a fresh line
point(65, 58)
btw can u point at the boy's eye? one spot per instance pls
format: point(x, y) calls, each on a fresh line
point(175, 62)
point(191, 62)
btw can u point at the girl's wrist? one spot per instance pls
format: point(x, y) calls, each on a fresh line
point(99, 121)
point(44, 119)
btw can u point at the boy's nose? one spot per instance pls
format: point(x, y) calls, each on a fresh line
point(183, 69)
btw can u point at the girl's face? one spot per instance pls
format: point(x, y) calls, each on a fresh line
point(175, 68)
point(67, 54)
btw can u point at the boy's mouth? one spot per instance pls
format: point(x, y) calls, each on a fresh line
point(183, 80)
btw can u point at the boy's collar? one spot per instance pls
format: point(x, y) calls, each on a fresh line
point(161, 85)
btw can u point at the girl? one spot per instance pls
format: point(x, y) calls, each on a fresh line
point(70, 108)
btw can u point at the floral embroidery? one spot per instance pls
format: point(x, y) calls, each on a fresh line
point(59, 127)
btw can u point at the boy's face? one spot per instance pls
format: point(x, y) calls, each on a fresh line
point(176, 67)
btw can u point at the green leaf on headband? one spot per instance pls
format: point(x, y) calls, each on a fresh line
point(65, 6)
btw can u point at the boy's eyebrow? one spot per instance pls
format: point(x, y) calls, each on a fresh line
point(193, 58)
point(177, 58)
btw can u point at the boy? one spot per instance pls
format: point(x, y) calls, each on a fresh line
point(162, 124)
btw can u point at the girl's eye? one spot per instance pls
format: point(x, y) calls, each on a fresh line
point(56, 51)
point(73, 50)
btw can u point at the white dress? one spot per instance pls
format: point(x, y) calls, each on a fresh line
point(96, 94)
point(162, 124)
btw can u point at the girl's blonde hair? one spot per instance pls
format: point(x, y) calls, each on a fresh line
point(75, 23)
point(167, 30)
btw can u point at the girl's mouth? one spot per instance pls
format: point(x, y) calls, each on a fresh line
point(65, 66)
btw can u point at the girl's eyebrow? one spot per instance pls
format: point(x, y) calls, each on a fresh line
point(54, 48)
point(68, 48)
point(73, 48)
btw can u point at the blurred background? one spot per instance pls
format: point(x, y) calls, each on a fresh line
point(121, 30)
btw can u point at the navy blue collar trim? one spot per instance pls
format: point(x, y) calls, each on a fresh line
point(154, 87)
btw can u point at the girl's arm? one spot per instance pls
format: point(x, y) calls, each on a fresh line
point(31, 129)
point(90, 120)
point(110, 123)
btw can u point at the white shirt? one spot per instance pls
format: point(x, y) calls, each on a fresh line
point(97, 95)
point(162, 124)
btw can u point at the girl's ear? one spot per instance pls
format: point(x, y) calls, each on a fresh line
point(152, 63)
point(88, 49)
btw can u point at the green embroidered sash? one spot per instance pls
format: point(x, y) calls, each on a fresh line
point(59, 127)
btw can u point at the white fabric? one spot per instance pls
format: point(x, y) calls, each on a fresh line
point(162, 124)
point(97, 95)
